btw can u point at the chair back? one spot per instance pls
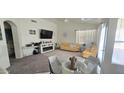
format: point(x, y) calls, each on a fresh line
point(97, 69)
point(55, 65)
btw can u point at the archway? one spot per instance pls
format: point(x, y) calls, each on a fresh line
point(14, 46)
point(9, 40)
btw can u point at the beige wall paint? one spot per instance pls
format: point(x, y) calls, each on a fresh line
point(69, 28)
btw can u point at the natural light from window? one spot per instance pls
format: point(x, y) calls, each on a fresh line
point(118, 52)
point(85, 36)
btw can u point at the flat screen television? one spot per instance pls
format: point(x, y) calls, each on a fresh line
point(46, 34)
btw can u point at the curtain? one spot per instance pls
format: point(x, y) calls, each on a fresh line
point(85, 36)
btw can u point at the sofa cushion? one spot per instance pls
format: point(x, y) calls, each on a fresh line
point(73, 46)
point(69, 46)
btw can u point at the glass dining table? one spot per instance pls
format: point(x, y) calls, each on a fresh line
point(84, 66)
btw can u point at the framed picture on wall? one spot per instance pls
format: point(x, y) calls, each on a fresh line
point(32, 32)
point(0, 34)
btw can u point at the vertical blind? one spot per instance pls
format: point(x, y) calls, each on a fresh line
point(85, 36)
point(118, 51)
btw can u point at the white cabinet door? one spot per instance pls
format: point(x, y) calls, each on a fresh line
point(28, 51)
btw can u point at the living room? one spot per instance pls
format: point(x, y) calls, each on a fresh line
point(84, 52)
point(37, 40)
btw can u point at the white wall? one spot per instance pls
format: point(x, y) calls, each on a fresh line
point(4, 60)
point(26, 25)
point(69, 29)
point(16, 34)
point(23, 26)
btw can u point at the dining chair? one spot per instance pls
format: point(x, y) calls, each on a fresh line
point(96, 62)
point(54, 65)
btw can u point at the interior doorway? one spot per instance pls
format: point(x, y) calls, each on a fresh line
point(14, 34)
point(9, 40)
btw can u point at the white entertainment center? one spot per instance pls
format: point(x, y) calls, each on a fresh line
point(45, 44)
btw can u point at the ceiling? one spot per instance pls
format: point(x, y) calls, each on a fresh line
point(94, 21)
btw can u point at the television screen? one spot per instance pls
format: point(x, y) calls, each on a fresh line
point(46, 34)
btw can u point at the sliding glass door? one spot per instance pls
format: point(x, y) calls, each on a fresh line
point(118, 51)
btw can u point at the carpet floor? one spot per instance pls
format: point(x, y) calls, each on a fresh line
point(29, 65)
point(62, 55)
point(38, 63)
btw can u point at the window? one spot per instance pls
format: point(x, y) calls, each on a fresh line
point(86, 36)
point(118, 52)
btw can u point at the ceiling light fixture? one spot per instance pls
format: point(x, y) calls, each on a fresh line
point(82, 19)
point(65, 20)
